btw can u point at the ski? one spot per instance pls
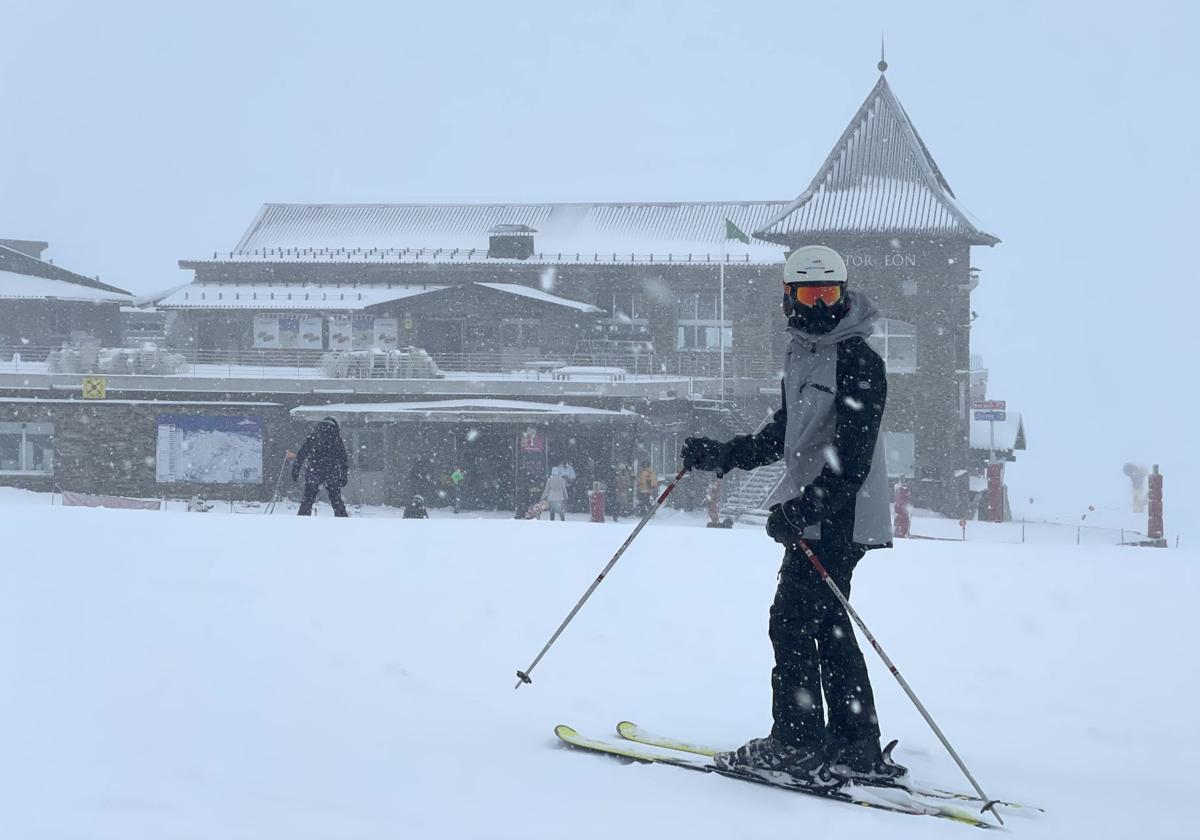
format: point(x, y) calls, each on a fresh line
point(632, 732)
point(704, 764)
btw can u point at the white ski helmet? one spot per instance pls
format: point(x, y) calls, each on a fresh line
point(815, 264)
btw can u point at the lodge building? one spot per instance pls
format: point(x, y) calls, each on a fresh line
point(504, 337)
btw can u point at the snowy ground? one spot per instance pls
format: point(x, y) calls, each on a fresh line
point(169, 675)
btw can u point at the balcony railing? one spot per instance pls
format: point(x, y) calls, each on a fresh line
point(306, 364)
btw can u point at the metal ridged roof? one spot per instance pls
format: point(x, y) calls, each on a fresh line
point(879, 179)
point(642, 228)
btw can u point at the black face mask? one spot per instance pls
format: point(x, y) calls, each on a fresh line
point(815, 320)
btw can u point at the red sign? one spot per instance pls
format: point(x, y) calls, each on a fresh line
point(533, 441)
point(990, 405)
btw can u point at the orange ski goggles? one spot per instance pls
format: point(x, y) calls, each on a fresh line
point(808, 295)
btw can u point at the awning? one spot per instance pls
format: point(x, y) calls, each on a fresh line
point(544, 297)
point(483, 411)
point(14, 286)
point(328, 298)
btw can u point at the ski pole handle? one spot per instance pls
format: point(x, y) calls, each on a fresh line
point(523, 677)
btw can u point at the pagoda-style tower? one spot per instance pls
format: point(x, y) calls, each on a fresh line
point(883, 203)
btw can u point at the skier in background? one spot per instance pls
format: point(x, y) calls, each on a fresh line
point(835, 497)
point(555, 493)
point(647, 488)
point(324, 461)
point(416, 508)
point(622, 490)
point(456, 487)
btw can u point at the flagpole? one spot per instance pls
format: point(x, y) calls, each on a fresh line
point(721, 329)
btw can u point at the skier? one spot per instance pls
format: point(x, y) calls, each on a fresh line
point(647, 488)
point(835, 497)
point(456, 488)
point(416, 508)
point(622, 490)
point(323, 458)
point(555, 493)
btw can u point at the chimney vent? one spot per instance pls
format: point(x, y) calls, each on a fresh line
point(513, 242)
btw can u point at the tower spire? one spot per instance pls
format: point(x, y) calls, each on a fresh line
point(882, 59)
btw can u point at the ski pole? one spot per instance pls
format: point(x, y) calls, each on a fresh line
point(523, 676)
point(270, 508)
point(989, 804)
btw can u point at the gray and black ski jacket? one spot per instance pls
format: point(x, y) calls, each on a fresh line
point(834, 394)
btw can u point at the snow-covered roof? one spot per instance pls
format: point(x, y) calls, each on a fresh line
point(639, 232)
point(879, 178)
point(544, 297)
point(104, 402)
point(287, 297)
point(1010, 433)
point(15, 286)
point(462, 411)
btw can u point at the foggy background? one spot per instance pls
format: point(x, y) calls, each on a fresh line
point(135, 135)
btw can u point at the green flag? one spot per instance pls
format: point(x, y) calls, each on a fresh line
point(732, 231)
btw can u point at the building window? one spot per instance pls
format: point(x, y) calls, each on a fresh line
point(626, 320)
point(27, 448)
point(896, 342)
point(520, 333)
point(698, 325)
point(899, 450)
point(620, 306)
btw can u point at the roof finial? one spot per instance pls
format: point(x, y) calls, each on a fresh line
point(882, 60)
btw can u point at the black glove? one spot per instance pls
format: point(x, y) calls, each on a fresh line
point(296, 473)
point(700, 453)
point(785, 525)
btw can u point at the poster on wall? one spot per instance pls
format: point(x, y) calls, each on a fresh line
point(340, 335)
point(532, 441)
point(208, 450)
point(387, 333)
point(289, 331)
point(310, 333)
point(266, 331)
point(364, 331)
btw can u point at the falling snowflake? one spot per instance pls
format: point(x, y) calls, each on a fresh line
point(831, 458)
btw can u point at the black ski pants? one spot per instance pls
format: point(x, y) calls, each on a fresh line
point(818, 664)
point(310, 495)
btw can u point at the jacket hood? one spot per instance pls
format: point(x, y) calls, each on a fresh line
point(858, 322)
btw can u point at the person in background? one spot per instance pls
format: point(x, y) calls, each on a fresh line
point(622, 490)
point(324, 461)
point(555, 494)
point(456, 481)
point(647, 488)
point(416, 508)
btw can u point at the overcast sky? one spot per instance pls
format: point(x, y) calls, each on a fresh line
point(136, 134)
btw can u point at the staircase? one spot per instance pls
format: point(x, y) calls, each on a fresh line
point(743, 493)
point(746, 493)
point(728, 414)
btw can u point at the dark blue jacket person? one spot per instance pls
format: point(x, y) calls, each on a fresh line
point(324, 462)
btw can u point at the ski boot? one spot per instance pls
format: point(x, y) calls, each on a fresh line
point(862, 762)
point(771, 759)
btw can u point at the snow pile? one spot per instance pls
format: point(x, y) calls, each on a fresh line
point(269, 677)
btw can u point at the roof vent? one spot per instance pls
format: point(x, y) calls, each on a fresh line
point(512, 242)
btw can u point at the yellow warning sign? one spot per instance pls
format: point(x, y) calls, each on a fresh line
point(94, 387)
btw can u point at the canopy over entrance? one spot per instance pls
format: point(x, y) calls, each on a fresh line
point(511, 412)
